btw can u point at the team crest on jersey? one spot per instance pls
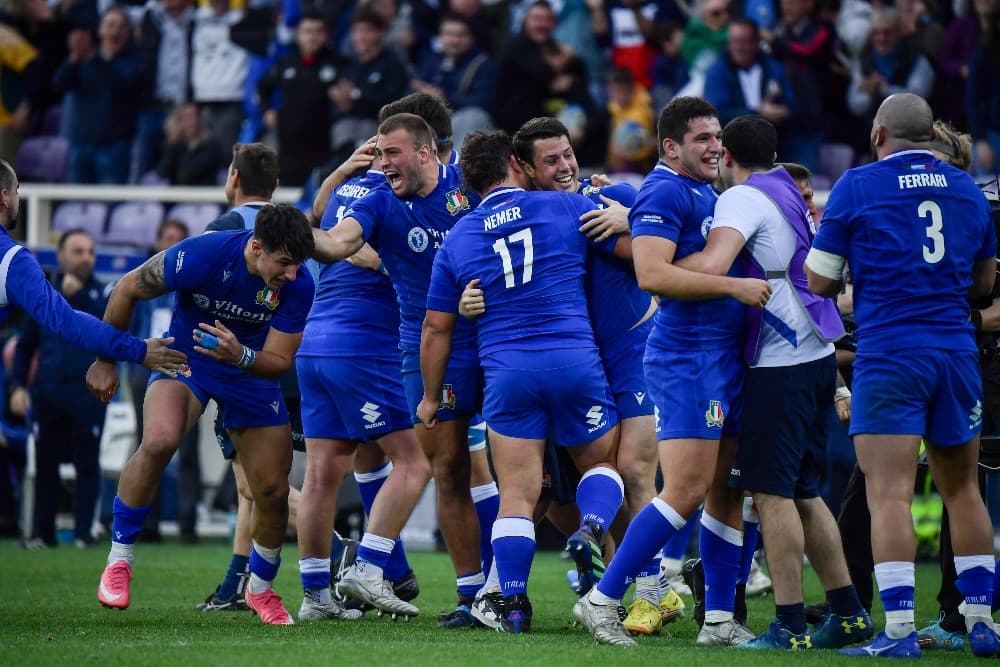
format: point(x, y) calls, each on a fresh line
point(714, 415)
point(447, 397)
point(268, 297)
point(590, 190)
point(417, 238)
point(186, 371)
point(456, 202)
point(706, 227)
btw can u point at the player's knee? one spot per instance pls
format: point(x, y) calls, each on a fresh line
point(414, 467)
point(271, 494)
point(159, 444)
point(328, 472)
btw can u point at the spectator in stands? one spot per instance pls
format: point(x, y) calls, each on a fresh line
point(487, 30)
point(373, 76)
point(705, 36)
point(192, 156)
point(19, 70)
point(983, 93)
point(462, 74)
point(305, 79)
point(956, 54)
point(102, 85)
point(626, 26)
point(68, 419)
point(746, 81)
point(804, 46)
point(669, 72)
point(921, 27)
point(218, 70)
point(164, 40)
point(46, 27)
point(890, 64)
point(152, 318)
point(533, 68)
point(632, 145)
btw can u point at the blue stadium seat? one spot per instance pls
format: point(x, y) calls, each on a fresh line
point(42, 159)
point(195, 216)
point(134, 223)
point(87, 215)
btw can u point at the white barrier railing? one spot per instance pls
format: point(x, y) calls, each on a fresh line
point(39, 197)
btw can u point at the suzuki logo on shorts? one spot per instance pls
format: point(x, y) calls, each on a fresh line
point(596, 418)
point(370, 412)
point(976, 415)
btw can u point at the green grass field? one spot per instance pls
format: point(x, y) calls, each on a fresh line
point(49, 615)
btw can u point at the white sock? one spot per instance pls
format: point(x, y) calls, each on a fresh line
point(119, 551)
point(648, 589)
point(599, 598)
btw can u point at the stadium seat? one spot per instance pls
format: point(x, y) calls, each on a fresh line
point(43, 159)
point(134, 223)
point(834, 160)
point(51, 120)
point(195, 216)
point(151, 177)
point(87, 215)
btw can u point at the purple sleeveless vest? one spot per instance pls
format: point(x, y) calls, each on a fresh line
point(779, 187)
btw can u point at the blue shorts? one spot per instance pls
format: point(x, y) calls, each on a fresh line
point(461, 395)
point(352, 398)
point(228, 449)
point(244, 402)
point(570, 398)
point(935, 394)
point(784, 431)
point(697, 393)
point(623, 367)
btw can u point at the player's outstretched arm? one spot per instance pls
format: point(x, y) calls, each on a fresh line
point(473, 302)
point(270, 362)
point(656, 273)
point(824, 271)
point(338, 242)
point(435, 348)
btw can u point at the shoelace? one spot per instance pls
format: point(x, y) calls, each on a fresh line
point(118, 575)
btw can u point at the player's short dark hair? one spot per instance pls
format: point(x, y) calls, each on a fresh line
point(536, 129)
point(431, 108)
point(366, 14)
point(675, 119)
point(167, 223)
point(70, 233)
point(746, 23)
point(797, 171)
point(485, 159)
point(7, 176)
point(751, 140)
point(284, 228)
point(416, 126)
point(257, 165)
point(453, 17)
point(313, 15)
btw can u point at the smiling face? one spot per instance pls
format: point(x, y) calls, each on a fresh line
point(554, 166)
point(402, 162)
point(697, 156)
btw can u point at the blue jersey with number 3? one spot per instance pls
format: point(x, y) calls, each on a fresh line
point(911, 228)
point(355, 309)
point(528, 253)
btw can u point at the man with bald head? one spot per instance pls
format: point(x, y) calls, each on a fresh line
point(918, 236)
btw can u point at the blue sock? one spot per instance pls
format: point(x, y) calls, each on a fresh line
point(469, 584)
point(975, 582)
point(996, 587)
point(844, 601)
point(263, 565)
point(793, 616)
point(315, 573)
point(513, 551)
point(127, 522)
point(375, 550)
point(651, 528)
point(677, 547)
point(721, 547)
point(236, 577)
point(487, 501)
point(751, 538)
point(369, 484)
point(896, 581)
point(599, 495)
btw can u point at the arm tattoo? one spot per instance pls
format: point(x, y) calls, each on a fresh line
point(151, 280)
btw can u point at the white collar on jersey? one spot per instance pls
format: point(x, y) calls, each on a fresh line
point(500, 191)
point(909, 151)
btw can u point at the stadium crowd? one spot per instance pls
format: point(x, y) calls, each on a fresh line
point(157, 92)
